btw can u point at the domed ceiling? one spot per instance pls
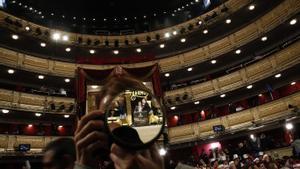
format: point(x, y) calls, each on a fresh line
point(113, 16)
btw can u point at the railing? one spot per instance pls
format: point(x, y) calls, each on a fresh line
point(232, 6)
point(273, 111)
point(277, 62)
point(269, 21)
point(30, 102)
point(8, 143)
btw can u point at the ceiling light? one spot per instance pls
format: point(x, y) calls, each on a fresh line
point(238, 51)
point(38, 114)
point(94, 86)
point(139, 50)
point(92, 51)
point(162, 152)
point(41, 77)
point(167, 74)
point(182, 40)
point(278, 75)
point(200, 22)
point(260, 95)
point(5, 111)
point(251, 7)
point(60, 126)
point(293, 83)
point(116, 52)
point(228, 21)
point(65, 38)
point(30, 125)
point(189, 69)
point(252, 136)
point(27, 28)
point(43, 44)
point(196, 102)
point(66, 116)
point(264, 38)
point(174, 32)
point(68, 49)
point(67, 80)
point(205, 31)
point(52, 14)
point(213, 61)
point(196, 0)
point(249, 86)
point(223, 95)
point(167, 35)
point(173, 108)
point(56, 36)
point(11, 71)
point(289, 126)
point(162, 45)
point(144, 83)
point(15, 37)
point(293, 21)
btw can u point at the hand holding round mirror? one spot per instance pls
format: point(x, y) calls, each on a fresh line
point(134, 117)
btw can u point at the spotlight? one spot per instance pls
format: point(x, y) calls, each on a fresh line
point(65, 38)
point(5, 111)
point(278, 75)
point(167, 35)
point(68, 49)
point(196, 102)
point(167, 74)
point(249, 87)
point(11, 71)
point(15, 37)
point(238, 51)
point(67, 80)
point(41, 77)
point(223, 95)
point(162, 45)
point(205, 31)
point(189, 69)
point(66, 116)
point(162, 152)
point(182, 40)
point(213, 61)
point(173, 108)
point(260, 95)
point(199, 22)
point(94, 86)
point(293, 21)
point(56, 36)
point(139, 50)
point(251, 7)
point(116, 52)
point(92, 51)
point(228, 21)
point(27, 28)
point(60, 126)
point(38, 114)
point(43, 44)
point(174, 32)
point(30, 125)
point(293, 83)
point(289, 126)
point(252, 136)
point(264, 38)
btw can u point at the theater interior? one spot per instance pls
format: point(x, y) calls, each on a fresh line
point(207, 81)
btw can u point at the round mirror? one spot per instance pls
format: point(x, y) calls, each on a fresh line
point(134, 117)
